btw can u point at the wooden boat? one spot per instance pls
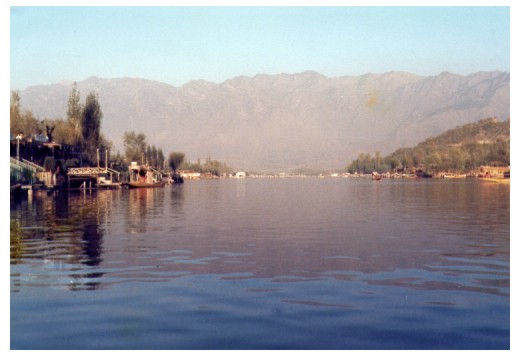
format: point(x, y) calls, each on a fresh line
point(144, 176)
point(146, 184)
point(376, 176)
point(506, 178)
point(452, 176)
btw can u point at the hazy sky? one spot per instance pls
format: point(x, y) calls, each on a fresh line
point(179, 44)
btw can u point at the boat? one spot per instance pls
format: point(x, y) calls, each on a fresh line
point(144, 176)
point(452, 176)
point(376, 176)
point(504, 178)
point(146, 184)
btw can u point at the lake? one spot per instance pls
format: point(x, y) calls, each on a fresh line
point(289, 263)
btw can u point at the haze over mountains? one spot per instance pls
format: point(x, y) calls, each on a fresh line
point(285, 121)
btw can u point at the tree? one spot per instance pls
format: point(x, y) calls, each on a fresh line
point(135, 145)
point(149, 155)
point(154, 162)
point(22, 122)
point(16, 111)
point(377, 160)
point(160, 159)
point(433, 162)
point(91, 126)
point(175, 159)
point(61, 132)
point(74, 115)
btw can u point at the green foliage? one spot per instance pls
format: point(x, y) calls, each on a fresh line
point(74, 115)
point(49, 163)
point(22, 122)
point(175, 159)
point(72, 163)
point(153, 157)
point(135, 146)
point(160, 159)
point(91, 126)
point(137, 149)
point(62, 132)
point(463, 149)
point(214, 167)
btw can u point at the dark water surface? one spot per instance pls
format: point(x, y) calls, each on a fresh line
point(298, 263)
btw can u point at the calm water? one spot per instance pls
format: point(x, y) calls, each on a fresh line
point(298, 263)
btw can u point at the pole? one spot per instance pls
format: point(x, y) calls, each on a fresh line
point(18, 137)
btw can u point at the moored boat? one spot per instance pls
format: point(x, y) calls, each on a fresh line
point(144, 176)
point(376, 176)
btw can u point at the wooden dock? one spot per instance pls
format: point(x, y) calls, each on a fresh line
point(92, 177)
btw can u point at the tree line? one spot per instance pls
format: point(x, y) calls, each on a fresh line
point(138, 150)
point(463, 149)
point(214, 167)
point(81, 130)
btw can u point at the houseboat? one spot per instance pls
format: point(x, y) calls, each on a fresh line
point(144, 176)
point(376, 176)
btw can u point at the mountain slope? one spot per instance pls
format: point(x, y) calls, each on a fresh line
point(272, 122)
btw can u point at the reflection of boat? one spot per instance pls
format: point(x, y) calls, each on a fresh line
point(144, 176)
point(496, 180)
point(146, 184)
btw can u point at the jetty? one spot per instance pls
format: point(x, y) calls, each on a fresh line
point(93, 177)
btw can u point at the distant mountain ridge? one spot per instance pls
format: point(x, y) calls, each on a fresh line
point(285, 121)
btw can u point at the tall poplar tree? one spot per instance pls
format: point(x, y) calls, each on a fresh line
point(74, 115)
point(135, 146)
point(91, 126)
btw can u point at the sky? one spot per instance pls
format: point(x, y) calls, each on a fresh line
point(178, 44)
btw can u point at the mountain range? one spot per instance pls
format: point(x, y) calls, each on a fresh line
point(285, 121)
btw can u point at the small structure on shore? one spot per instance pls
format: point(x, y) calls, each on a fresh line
point(93, 177)
point(190, 175)
point(494, 171)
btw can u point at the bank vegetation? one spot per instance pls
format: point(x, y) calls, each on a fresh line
point(460, 150)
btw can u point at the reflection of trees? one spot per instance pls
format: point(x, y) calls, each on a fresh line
point(62, 229)
point(17, 246)
point(61, 205)
point(92, 244)
point(176, 196)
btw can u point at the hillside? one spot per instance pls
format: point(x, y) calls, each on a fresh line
point(462, 149)
point(286, 121)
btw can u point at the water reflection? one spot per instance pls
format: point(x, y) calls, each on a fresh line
point(242, 263)
point(57, 234)
point(450, 236)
